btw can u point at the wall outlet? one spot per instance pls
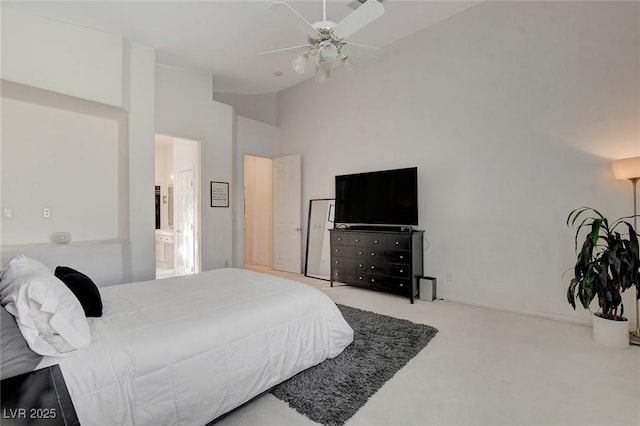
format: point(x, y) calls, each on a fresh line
point(46, 212)
point(7, 212)
point(449, 276)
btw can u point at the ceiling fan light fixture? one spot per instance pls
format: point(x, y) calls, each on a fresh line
point(328, 51)
point(326, 39)
point(349, 66)
point(299, 64)
point(322, 74)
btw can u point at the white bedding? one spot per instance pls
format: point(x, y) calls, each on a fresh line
point(183, 351)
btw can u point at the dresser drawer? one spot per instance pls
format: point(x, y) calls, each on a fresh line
point(403, 257)
point(342, 251)
point(376, 241)
point(389, 269)
point(358, 240)
point(339, 238)
point(343, 275)
point(386, 255)
point(396, 285)
point(399, 242)
point(340, 262)
point(357, 265)
point(360, 279)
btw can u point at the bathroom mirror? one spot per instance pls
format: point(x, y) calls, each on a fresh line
point(317, 263)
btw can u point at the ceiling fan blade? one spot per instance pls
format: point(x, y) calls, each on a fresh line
point(362, 16)
point(294, 18)
point(286, 50)
point(368, 53)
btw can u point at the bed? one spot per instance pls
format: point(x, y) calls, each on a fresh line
point(183, 351)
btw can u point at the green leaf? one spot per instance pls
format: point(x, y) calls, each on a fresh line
point(607, 263)
point(595, 231)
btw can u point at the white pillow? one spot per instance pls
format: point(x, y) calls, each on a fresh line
point(49, 315)
point(21, 265)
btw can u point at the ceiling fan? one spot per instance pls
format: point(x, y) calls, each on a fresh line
point(326, 39)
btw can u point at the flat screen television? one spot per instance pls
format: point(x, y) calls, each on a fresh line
point(387, 197)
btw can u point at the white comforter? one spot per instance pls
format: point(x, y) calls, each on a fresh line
point(183, 351)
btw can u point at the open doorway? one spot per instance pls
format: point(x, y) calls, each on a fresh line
point(272, 208)
point(178, 206)
point(258, 207)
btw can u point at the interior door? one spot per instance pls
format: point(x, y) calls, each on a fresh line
point(287, 195)
point(185, 220)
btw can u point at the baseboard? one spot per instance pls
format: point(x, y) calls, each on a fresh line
point(543, 315)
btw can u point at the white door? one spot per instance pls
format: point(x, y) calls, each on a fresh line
point(185, 212)
point(287, 194)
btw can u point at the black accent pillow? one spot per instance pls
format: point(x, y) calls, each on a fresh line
point(83, 288)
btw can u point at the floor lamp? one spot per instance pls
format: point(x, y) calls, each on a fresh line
point(629, 169)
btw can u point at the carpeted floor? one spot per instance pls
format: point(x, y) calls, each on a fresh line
point(333, 391)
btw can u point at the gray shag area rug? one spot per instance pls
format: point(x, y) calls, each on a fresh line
point(333, 391)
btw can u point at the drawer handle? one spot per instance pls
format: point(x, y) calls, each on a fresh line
point(401, 270)
point(373, 254)
point(337, 250)
point(357, 240)
point(337, 262)
point(360, 265)
point(401, 257)
point(397, 242)
point(375, 242)
point(373, 267)
point(359, 252)
point(360, 278)
point(401, 285)
point(373, 280)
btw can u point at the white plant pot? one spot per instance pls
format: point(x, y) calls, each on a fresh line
point(611, 333)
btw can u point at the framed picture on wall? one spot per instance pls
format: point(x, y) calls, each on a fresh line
point(219, 194)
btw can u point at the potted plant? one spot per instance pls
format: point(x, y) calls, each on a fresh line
point(608, 263)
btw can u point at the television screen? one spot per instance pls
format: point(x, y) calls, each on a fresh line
point(388, 197)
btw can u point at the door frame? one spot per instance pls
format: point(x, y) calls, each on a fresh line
point(242, 231)
point(200, 195)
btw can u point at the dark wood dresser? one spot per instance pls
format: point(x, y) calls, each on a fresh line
point(378, 259)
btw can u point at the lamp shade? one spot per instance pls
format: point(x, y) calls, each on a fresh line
point(628, 168)
point(300, 63)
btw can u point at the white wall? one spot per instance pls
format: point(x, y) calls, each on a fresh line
point(512, 112)
point(254, 138)
point(184, 109)
point(255, 107)
point(98, 70)
point(62, 58)
point(139, 83)
point(80, 151)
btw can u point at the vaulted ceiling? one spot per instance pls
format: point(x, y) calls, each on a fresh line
point(223, 38)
